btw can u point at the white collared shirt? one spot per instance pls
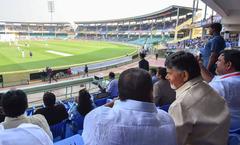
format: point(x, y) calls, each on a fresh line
point(129, 123)
point(228, 86)
point(201, 116)
point(25, 134)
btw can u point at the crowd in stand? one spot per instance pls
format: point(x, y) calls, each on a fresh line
point(203, 98)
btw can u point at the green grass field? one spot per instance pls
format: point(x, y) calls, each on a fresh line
point(82, 52)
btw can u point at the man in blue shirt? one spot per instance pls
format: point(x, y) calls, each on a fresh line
point(213, 47)
point(112, 87)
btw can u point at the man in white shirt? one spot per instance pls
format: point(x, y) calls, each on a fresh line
point(24, 134)
point(14, 104)
point(201, 115)
point(133, 120)
point(227, 82)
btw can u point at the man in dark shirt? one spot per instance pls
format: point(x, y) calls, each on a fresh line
point(143, 64)
point(213, 47)
point(85, 71)
point(53, 113)
point(2, 116)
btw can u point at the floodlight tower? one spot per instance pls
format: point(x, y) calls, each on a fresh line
point(51, 8)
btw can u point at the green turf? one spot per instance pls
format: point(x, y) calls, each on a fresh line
point(82, 51)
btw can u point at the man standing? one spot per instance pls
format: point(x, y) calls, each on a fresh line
point(143, 64)
point(133, 120)
point(201, 116)
point(227, 83)
point(85, 71)
point(213, 47)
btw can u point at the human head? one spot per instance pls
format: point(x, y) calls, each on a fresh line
point(181, 67)
point(215, 28)
point(228, 62)
point(153, 72)
point(111, 75)
point(49, 99)
point(161, 73)
point(142, 55)
point(135, 84)
point(14, 103)
point(84, 102)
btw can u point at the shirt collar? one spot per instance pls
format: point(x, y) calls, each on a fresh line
point(135, 105)
point(187, 85)
point(216, 34)
point(229, 74)
point(7, 119)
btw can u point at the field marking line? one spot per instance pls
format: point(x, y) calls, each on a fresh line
point(59, 53)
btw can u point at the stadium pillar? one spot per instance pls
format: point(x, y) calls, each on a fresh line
point(96, 30)
point(176, 31)
point(28, 30)
point(55, 31)
point(128, 29)
point(140, 29)
point(193, 14)
point(106, 31)
point(152, 28)
point(117, 29)
point(204, 19)
point(42, 30)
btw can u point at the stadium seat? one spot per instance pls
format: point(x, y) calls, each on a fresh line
point(59, 130)
point(30, 111)
point(74, 140)
point(234, 139)
point(77, 124)
point(100, 102)
point(165, 107)
point(236, 131)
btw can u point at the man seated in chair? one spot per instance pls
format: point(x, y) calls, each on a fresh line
point(24, 134)
point(112, 87)
point(14, 104)
point(53, 113)
point(132, 120)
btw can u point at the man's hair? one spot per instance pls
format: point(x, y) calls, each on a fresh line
point(153, 71)
point(217, 27)
point(49, 99)
point(184, 61)
point(84, 102)
point(142, 55)
point(162, 72)
point(112, 75)
point(232, 56)
point(135, 84)
point(14, 103)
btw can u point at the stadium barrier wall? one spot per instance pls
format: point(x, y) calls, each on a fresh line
point(14, 79)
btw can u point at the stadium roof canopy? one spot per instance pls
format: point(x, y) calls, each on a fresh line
point(229, 10)
point(167, 12)
point(38, 23)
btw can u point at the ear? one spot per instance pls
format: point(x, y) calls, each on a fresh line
point(185, 76)
point(228, 65)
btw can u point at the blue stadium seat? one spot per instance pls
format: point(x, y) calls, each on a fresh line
point(236, 131)
point(100, 102)
point(77, 124)
point(74, 140)
point(234, 139)
point(165, 107)
point(30, 111)
point(59, 130)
